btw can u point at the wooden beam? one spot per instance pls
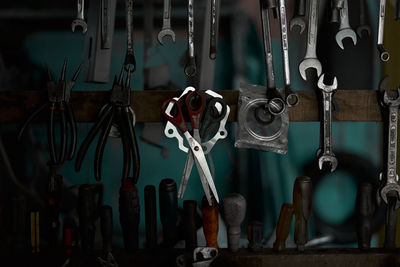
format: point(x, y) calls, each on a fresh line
point(353, 105)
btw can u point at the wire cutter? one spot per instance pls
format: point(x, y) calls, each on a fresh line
point(58, 99)
point(194, 104)
point(119, 112)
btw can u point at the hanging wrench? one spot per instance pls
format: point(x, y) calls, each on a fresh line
point(326, 154)
point(130, 56)
point(337, 4)
point(166, 27)
point(310, 60)
point(214, 29)
point(190, 68)
point(80, 17)
point(363, 20)
point(298, 18)
point(392, 100)
point(345, 30)
point(384, 54)
point(291, 97)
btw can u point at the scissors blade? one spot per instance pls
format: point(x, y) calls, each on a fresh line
point(186, 174)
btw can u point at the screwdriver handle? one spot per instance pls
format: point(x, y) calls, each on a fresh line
point(189, 221)
point(391, 223)
point(129, 214)
point(255, 235)
point(234, 211)
point(365, 210)
point(168, 211)
point(283, 227)
point(210, 221)
point(150, 208)
point(106, 222)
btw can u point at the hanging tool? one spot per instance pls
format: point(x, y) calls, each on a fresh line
point(365, 210)
point(234, 211)
point(214, 28)
point(204, 256)
point(150, 209)
point(80, 17)
point(53, 205)
point(299, 16)
point(210, 222)
point(168, 202)
point(166, 26)
point(325, 153)
point(58, 99)
point(119, 112)
point(364, 26)
point(338, 4)
point(35, 232)
point(255, 236)
point(130, 61)
point(106, 233)
point(190, 68)
point(383, 53)
point(283, 226)
point(391, 222)
point(345, 30)
point(189, 222)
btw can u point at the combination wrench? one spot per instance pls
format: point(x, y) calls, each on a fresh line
point(166, 27)
point(363, 20)
point(190, 68)
point(383, 53)
point(80, 17)
point(326, 155)
point(310, 59)
point(130, 56)
point(214, 29)
point(345, 30)
point(299, 16)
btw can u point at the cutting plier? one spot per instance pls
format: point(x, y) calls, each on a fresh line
point(58, 100)
point(117, 112)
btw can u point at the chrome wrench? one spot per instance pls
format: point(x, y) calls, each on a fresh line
point(345, 30)
point(298, 18)
point(213, 29)
point(166, 27)
point(383, 53)
point(190, 68)
point(363, 20)
point(130, 61)
point(80, 17)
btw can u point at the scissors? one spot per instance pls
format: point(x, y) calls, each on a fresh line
point(194, 104)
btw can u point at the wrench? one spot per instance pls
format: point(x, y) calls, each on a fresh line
point(392, 101)
point(190, 68)
point(310, 59)
point(166, 27)
point(213, 29)
point(384, 54)
point(338, 4)
point(345, 30)
point(80, 17)
point(204, 256)
point(298, 18)
point(130, 56)
point(363, 21)
point(327, 154)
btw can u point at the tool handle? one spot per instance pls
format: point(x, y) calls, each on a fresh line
point(234, 211)
point(189, 221)
point(365, 210)
point(150, 208)
point(168, 202)
point(283, 227)
point(255, 235)
point(210, 221)
point(106, 221)
point(212, 115)
point(129, 214)
point(195, 108)
point(176, 119)
point(391, 223)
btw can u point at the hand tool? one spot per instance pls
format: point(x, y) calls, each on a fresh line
point(345, 30)
point(189, 221)
point(90, 200)
point(80, 17)
point(338, 4)
point(168, 202)
point(106, 23)
point(195, 111)
point(210, 222)
point(276, 104)
point(130, 61)
point(325, 154)
point(299, 16)
point(190, 68)
point(364, 26)
point(106, 233)
point(58, 99)
point(302, 203)
point(365, 210)
point(204, 256)
point(70, 239)
point(234, 211)
point(390, 179)
point(391, 222)
point(335, 15)
point(129, 214)
point(383, 53)
point(35, 232)
point(255, 236)
point(119, 112)
point(283, 227)
point(53, 205)
point(214, 29)
point(166, 27)
point(150, 209)
point(310, 59)
point(148, 29)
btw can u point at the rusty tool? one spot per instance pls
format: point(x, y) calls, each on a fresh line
point(210, 222)
point(283, 227)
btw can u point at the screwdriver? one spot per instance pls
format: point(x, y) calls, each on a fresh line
point(168, 211)
point(210, 221)
point(129, 214)
point(255, 235)
point(70, 239)
point(365, 210)
point(283, 227)
point(35, 233)
point(189, 221)
point(150, 208)
point(391, 222)
point(234, 211)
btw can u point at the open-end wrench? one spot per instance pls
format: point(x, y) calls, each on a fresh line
point(166, 27)
point(363, 20)
point(299, 16)
point(345, 30)
point(310, 59)
point(291, 97)
point(383, 53)
point(276, 104)
point(326, 154)
point(130, 61)
point(214, 29)
point(337, 4)
point(190, 68)
point(80, 17)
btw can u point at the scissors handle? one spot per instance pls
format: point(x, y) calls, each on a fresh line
point(176, 119)
point(213, 115)
point(195, 109)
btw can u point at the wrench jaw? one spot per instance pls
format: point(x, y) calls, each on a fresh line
point(390, 189)
point(363, 28)
point(310, 63)
point(164, 33)
point(81, 23)
point(298, 21)
point(331, 159)
point(327, 88)
point(343, 34)
point(389, 101)
point(383, 53)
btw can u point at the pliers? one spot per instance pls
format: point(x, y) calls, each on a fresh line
point(58, 99)
point(119, 113)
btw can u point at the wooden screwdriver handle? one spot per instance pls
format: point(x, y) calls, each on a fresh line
point(210, 222)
